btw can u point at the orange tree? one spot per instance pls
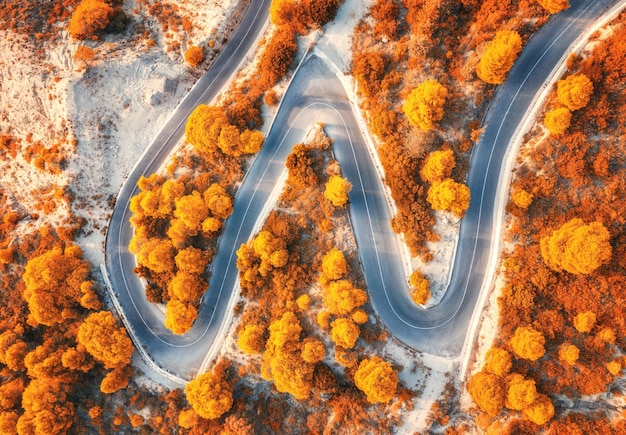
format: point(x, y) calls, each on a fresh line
point(499, 57)
point(424, 105)
point(90, 17)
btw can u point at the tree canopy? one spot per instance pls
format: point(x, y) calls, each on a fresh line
point(499, 57)
point(424, 105)
point(377, 379)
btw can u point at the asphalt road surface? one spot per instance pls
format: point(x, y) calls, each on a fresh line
point(317, 95)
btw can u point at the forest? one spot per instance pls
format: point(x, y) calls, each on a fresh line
point(308, 352)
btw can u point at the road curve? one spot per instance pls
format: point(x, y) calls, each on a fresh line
point(144, 320)
point(316, 94)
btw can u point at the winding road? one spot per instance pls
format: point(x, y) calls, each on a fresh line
point(317, 95)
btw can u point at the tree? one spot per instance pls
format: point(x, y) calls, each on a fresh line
point(251, 141)
point(585, 321)
point(194, 55)
point(155, 254)
point(569, 353)
point(53, 284)
point(271, 249)
point(334, 264)
point(528, 343)
point(218, 201)
point(209, 395)
point(282, 12)
point(192, 260)
point(498, 361)
point(540, 411)
point(558, 120)
point(11, 394)
point(499, 57)
point(439, 165)
point(115, 380)
point(47, 409)
point(419, 288)
point(337, 189)
point(229, 141)
point(187, 287)
point(448, 195)
point(251, 339)
point(179, 316)
point(341, 297)
point(105, 340)
point(191, 210)
point(204, 126)
point(487, 392)
point(289, 371)
point(577, 248)
point(277, 56)
point(424, 105)
point(360, 317)
point(522, 198)
point(521, 393)
point(313, 351)
point(344, 332)
point(90, 17)
point(574, 91)
point(554, 6)
point(377, 379)
point(285, 329)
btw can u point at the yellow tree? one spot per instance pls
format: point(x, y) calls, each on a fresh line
point(574, 91)
point(47, 409)
point(419, 288)
point(498, 361)
point(576, 247)
point(313, 351)
point(334, 264)
point(192, 260)
point(521, 392)
point(554, 6)
point(424, 105)
point(377, 379)
point(116, 379)
point(187, 287)
point(191, 210)
point(337, 189)
point(179, 316)
point(341, 297)
point(522, 198)
point(251, 339)
point(344, 332)
point(209, 395)
point(204, 126)
point(499, 57)
point(439, 165)
point(585, 321)
point(448, 195)
point(218, 201)
point(282, 12)
point(558, 120)
point(271, 249)
point(285, 329)
point(540, 411)
point(569, 353)
point(528, 343)
point(251, 141)
point(488, 392)
point(53, 284)
point(155, 254)
point(105, 340)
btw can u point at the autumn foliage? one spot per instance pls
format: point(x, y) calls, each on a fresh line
point(575, 91)
point(448, 195)
point(577, 247)
point(424, 105)
point(528, 343)
point(499, 57)
point(90, 17)
point(105, 340)
point(488, 392)
point(558, 120)
point(438, 165)
point(554, 6)
point(377, 379)
point(419, 288)
point(337, 189)
point(194, 55)
point(210, 395)
point(53, 284)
